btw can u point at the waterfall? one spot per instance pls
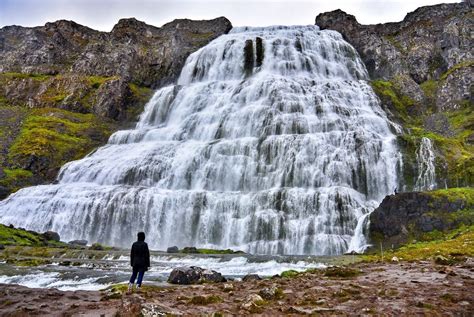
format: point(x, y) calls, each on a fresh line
point(271, 142)
point(425, 159)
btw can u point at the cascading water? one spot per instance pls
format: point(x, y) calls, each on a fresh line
point(425, 159)
point(278, 149)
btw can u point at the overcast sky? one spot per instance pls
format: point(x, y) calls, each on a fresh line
point(103, 14)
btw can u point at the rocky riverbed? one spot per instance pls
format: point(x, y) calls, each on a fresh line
point(397, 288)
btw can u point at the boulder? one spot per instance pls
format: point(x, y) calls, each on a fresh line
point(194, 275)
point(173, 249)
point(190, 250)
point(412, 216)
point(2, 247)
point(51, 236)
point(251, 277)
point(78, 242)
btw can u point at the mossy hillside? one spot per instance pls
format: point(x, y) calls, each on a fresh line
point(455, 154)
point(455, 245)
point(51, 137)
point(24, 238)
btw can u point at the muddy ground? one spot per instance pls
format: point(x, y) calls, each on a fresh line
point(398, 289)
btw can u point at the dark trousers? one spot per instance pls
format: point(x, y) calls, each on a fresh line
point(134, 276)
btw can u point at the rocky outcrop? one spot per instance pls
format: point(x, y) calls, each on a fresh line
point(133, 52)
point(422, 70)
point(427, 43)
point(194, 275)
point(64, 88)
point(405, 217)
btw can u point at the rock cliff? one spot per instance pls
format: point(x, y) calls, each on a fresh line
point(422, 70)
point(64, 88)
point(420, 216)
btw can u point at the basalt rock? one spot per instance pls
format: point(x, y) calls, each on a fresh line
point(51, 236)
point(172, 250)
point(194, 275)
point(419, 216)
point(78, 242)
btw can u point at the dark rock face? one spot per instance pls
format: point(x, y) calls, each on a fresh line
point(132, 52)
point(51, 235)
point(194, 275)
point(422, 47)
point(414, 216)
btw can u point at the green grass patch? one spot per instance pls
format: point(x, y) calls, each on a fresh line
point(458, 243)
point(54, 137)
point(289, 274)
point(389, 95)
point(457, 67)
point(14, 236)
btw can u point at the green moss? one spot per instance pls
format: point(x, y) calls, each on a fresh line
point(389, 95)
point(38, 77)
point(392, 39)
point(13, 236)
point(455, 244)
point(429, 88)
point(457, 67)
point(454, 194)
point(53, 137)
point(289, 273)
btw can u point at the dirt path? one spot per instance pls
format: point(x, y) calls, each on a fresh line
point(421, 288)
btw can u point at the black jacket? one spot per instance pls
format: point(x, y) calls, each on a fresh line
point(140, 256)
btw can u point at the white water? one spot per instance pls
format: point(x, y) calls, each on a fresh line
point(95, 276)
point(286, 157)
point(425, 159)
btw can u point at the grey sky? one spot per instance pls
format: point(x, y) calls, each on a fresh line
point(103, 14)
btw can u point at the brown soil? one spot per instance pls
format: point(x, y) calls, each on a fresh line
point(397, 289)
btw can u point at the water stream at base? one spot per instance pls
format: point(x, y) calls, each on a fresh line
point(271, 142)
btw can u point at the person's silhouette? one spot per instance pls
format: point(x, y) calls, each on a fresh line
point(139, 260)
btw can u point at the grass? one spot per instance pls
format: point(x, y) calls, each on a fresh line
point(53, 137)
point(13, 236)
point(454, 245)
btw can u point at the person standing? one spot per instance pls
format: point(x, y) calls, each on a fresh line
point(139, 260)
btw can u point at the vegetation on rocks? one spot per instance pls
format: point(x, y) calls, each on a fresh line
point(455, 245)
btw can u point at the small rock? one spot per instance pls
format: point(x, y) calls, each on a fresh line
point(78, 242)
point(252, 302)
point(228, 287)
point(251, 277)
point(395, 259)
point(51, 235)
point(270, 293)
point(439, 259)
point(173, 249)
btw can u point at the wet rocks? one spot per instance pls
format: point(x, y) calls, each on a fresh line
point(251, 277)
point(194, 275)
point(78, 242)
point(51, 236)
point(173, 249)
